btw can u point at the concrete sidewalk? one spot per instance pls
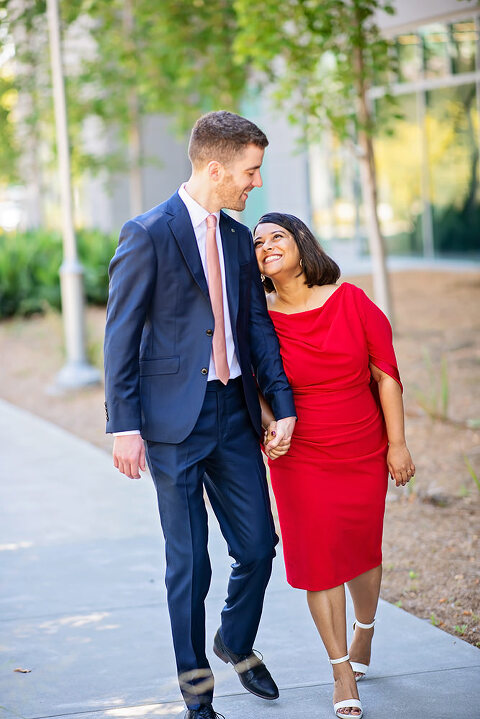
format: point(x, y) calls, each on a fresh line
point(83, 607)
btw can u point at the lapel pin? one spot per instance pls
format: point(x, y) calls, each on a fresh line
point(232, 229)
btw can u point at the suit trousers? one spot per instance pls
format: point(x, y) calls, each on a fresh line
point(222, 454)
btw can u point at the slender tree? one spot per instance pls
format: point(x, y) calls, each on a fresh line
point(322, 58)
point(9, 150)
point(172, 57)
point(23, 28)
point(123, 60)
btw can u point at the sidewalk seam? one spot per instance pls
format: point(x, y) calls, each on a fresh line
point(241, 693)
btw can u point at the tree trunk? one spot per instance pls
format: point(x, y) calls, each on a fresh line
point(134, 122)
point(27, 129)
point(381, 284)
point(135, 155)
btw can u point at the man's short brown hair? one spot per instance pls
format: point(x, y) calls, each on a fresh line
point(222, 135)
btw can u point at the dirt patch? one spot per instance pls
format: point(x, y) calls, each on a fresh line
point(432, 528)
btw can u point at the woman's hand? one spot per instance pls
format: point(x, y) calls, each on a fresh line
point(282, 447)
point(400, 464)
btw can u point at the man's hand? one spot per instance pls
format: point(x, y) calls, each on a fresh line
point(129, 455)
point(283, 435)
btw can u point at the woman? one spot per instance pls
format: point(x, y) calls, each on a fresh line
point(330, 487)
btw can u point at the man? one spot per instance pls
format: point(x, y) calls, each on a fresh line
point(187, 330)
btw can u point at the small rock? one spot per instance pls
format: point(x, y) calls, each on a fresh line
point(436, 497)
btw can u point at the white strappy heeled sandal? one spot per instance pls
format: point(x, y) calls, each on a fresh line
point(358, 666)
point(346, 703)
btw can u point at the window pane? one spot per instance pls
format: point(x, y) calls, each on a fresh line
point(409, 50)
point(464, 46)
point(436, 50)
point(398, 161)
point(452, 132)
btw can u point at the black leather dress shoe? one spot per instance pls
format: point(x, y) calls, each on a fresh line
point(252, 672)
point(205, 712)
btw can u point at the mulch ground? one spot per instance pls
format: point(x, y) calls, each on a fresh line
point(432, 527)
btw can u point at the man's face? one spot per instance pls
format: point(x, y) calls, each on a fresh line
point(241, 176)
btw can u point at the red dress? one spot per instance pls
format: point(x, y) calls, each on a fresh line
point(330, 488)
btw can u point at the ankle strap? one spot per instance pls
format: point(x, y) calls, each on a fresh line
point(339, 661)
point(363, 626)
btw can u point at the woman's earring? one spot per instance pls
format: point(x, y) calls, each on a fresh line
point(301, 262)
point(262, 277)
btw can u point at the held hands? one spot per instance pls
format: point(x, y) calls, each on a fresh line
point(400, 464)
point(278, 437)
point(129, 455)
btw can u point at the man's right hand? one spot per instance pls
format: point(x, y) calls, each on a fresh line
point(129, 455)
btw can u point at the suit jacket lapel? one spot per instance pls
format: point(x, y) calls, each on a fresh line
point(182, 229)
point(230, 255)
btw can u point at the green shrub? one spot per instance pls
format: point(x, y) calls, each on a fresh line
point(95, 250)
point(30, 263)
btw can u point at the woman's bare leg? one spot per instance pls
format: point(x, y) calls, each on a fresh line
point(365, 590)
point(328, 612)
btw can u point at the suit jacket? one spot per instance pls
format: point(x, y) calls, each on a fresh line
point(158, 337)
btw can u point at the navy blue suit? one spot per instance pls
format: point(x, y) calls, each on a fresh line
point(158, 343)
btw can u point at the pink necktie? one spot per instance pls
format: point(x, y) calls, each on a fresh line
point(219, 347)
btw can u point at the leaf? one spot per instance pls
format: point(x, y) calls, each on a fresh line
point(471, 471)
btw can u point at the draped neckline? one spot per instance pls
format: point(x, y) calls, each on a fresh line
point(314, 309)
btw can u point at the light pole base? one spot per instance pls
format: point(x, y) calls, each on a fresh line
point(75, 375)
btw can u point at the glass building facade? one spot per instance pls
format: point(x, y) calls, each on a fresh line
point(427, 166)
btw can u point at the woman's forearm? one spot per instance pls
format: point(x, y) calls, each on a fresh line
point(392, 405)
point(267, 414)
point(399, 460)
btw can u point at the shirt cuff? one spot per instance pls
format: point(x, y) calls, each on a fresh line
point(130, 431)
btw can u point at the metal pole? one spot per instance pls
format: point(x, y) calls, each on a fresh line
point(76, 372)
point(427, 213)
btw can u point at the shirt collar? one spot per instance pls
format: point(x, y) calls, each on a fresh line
point(198, 214)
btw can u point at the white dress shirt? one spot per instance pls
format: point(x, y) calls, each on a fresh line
point(198, 217)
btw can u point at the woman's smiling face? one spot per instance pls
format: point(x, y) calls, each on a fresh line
point(276, 250)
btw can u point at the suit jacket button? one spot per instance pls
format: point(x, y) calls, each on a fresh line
point(209, 333)
point(204, 370)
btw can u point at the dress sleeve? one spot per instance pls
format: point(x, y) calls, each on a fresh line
point(378, 333)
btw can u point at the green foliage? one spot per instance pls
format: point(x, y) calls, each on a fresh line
point(434, 620)
point(435, 399)
point(174, 56)
point(30, 263)
point(411, 485)
point(169, 56)
point(24, 25)
point(9, 150)
point(457, 228)
point(322, 57)
point(472, 472)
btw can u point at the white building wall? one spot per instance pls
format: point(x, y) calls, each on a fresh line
point(411, 13)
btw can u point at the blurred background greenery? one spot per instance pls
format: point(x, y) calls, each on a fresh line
point(138, 74)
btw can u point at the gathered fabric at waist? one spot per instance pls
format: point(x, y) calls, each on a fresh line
point(330, 406)
point(346, 423)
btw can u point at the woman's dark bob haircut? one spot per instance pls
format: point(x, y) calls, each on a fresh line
point(317, 266)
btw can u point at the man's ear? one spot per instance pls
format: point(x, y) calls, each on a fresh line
point(215, 170)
